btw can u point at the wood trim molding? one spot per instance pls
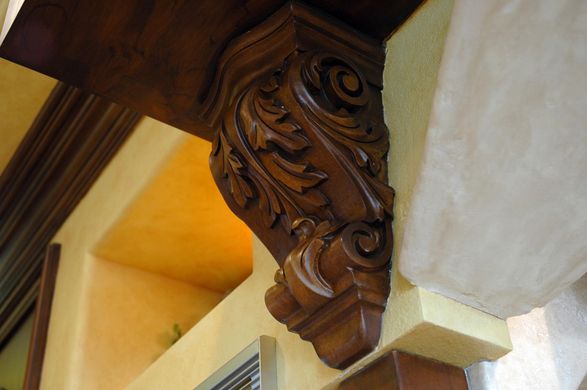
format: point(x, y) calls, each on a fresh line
point(401, 371)
point(300, 155)
point(71, 141)
point(41, 320)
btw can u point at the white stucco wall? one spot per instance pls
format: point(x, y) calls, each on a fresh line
point(550, 348)
point(499, 216)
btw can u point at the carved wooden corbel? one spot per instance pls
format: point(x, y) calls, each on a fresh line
point(300, 156)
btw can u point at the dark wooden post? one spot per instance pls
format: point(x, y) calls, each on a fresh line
point(401, 371)
point(41, 321)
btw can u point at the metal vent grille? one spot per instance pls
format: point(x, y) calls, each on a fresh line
point(244, 378)
point(252, 369)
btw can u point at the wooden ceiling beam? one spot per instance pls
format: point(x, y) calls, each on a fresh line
point(290, 94)
point(159, 57)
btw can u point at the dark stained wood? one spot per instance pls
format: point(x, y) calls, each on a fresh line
point(376, 18)
point(291, 96)
point(300, 156)
point(71, 141)
point(41, 321)
point(158, 57)
point(401, 371)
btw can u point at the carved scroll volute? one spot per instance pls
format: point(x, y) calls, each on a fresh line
point(300, 156)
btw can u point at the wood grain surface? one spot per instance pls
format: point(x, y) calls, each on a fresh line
point(401, 371)
point(300, 156)
point(158, 57)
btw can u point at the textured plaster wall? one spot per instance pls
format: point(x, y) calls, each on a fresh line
point(110, 321)
point(410, 78)
point(8, 11)
point(13, 357)
point(22, 94)
point(3, 11)
point(417, 320)
point(501, 195)
point(130, 321)
point(125, 176)
point(550, 348)
point(180, 226)
point(232, 325)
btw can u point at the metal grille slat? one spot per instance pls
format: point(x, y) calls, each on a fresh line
point(234, 379)
point(251, 369)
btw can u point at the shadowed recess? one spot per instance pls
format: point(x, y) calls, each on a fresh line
point(180, 227)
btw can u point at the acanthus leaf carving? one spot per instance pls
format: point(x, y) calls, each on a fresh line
point(233, 168)
point(305, 145)
point(285, 188)
point(265, 121)
point(338, 102)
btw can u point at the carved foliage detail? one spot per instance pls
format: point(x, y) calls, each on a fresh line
point(339, 103)
point(289, 146)
point(308, 272)
point(285, 185)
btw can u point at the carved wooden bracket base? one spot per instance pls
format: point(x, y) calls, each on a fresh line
point(300, 155)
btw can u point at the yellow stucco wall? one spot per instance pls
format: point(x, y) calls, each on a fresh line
point(413, 59)
point(129, 172)
point(3, 10)
point(13, 357)
point(230, 327)
point(8, 11)
point(130, 320)
point(144, 210)
point(179, 226)
point(22, 94)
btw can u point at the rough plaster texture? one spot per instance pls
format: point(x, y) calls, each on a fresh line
point(130, 320)
point(550, 348)
point(180, 227)
point(75, 355)
point(417, 320)
point(232, 325)
point(430, 325)
point(8, 11)
point(502, 193)
point(126, 175)
point(22, 94)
